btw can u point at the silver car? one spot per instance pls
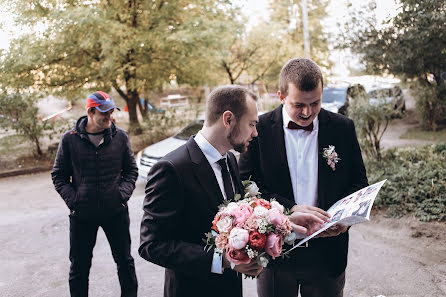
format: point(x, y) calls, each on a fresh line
point(147, 157)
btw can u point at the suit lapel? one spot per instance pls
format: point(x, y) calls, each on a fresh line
point(323, 172)
point(278, 150)
point(204, 174)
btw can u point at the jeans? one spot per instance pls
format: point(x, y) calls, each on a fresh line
point(83, 234)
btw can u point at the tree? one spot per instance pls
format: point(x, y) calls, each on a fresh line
point(19, 112)
point(411, 44)
point(128, 45)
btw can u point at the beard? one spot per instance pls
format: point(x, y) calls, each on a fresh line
point(237, 146)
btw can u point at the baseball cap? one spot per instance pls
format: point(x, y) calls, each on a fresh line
point(102, 101)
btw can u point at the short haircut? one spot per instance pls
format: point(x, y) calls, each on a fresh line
point(230, 97)
point(303, 73)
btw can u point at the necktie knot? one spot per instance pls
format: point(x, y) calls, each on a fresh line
point(292, 125)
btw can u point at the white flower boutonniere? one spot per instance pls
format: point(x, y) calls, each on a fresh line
point(331, 156)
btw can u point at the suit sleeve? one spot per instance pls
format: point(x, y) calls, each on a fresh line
point(62, 172)
point(358, 176)
point(129, 172)
point(250, 168)
point(161, 223)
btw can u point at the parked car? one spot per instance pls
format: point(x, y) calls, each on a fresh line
point(147, 157)
point(337, 99)
point(388, 95)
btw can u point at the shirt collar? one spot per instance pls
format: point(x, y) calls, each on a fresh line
point(209, 151)
point(287, 119)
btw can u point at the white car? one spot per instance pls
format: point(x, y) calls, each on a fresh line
point(147, 157)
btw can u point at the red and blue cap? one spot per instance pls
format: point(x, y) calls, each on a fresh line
point(101, 101)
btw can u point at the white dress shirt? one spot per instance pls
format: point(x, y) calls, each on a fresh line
point(302, 154)
point(212, 155)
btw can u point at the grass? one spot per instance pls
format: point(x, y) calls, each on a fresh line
point(13, 143)
point(418, 133)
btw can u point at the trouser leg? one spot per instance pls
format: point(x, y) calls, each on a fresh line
point(277, 282)
point(82, 240)
point(318, 286)
point(117, 230)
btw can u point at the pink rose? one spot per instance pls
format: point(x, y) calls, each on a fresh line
point(242, 214)
point(221, 241)
point(276, 217)
point(273, 246)
point(237, 256)
point(238, 238)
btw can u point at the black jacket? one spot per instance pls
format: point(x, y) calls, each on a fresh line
point(182, 198)
point(266, 163)
point(90, 178)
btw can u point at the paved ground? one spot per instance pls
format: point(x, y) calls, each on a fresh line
point(393, 258)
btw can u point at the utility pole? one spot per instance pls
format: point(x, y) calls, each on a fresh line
point(305, 28)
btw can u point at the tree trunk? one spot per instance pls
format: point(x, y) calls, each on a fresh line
point(131, 104)
point(38, 149)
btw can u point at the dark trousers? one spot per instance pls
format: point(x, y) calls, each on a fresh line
point(83, 234)
point(283, 282)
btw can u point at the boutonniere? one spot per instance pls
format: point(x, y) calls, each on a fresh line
point(331, 156)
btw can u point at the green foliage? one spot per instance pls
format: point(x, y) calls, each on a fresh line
point(371, 122)
point(412, 44)
point(20, 113)
point(430, 107)
point(416, 181)
point(128, 45)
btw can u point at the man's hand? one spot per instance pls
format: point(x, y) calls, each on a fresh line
point(306, 223)
point(320, 213)
point(334, 230)
point(252, 268)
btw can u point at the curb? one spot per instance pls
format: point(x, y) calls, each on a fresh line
point(23, 171)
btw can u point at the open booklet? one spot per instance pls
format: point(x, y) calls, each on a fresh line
point(350, 210)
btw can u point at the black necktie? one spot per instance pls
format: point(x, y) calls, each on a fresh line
point(293, 125)
point(227, 184)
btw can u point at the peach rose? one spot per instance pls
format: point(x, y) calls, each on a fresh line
point(221, 241)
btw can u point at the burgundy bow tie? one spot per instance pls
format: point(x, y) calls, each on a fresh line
point(293, 125)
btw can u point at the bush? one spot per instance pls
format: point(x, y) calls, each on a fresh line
point(371, 122)
point(430, 107)
point(415, 181)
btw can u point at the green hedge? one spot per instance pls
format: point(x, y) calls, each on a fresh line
point(415, 181)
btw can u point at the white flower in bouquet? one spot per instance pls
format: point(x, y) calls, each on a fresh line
point(277, 205)
point(224, 225)
point(252, 189)
point(260, 211)
point(238, 238)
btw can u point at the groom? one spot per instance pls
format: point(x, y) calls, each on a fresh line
point(286, 160)
point(183, 192)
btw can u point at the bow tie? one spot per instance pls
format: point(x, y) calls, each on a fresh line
point(292, 125)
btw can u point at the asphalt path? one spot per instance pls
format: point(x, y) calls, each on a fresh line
point(34, 245)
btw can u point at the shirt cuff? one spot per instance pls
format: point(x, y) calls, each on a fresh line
point(217, 263)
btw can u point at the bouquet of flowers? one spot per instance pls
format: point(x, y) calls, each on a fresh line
point(250, 228)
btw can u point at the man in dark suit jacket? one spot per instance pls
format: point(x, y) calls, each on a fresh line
point(287, 161)
point(183, 192)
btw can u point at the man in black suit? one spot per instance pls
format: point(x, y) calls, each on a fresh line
point(289, 160)
point(183, 192)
